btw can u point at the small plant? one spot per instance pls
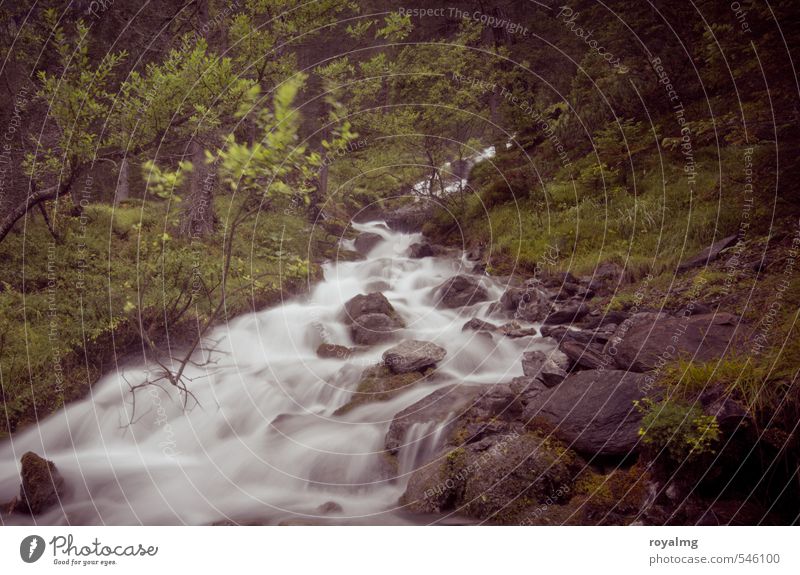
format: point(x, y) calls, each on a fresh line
point(680, 430)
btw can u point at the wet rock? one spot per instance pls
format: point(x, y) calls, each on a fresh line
point(373, 328)
point(329, 507)
point(593, 411)
point(496, 478)
point(529, 303)
point(515, 330)
point(647, 339)
point(409, 218)
point(567, 314)
point(443, 406)
point(42, 486)
point(418, 251)
point(460, 291)
point(550, 368)
point(379, 383)
point(333, 351)
point(366, 241)
point(709, 254)
point(476, 324)
point(413, 355)
point(366, 304)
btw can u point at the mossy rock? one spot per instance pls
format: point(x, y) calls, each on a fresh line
point(378, 383)
point(497, 479)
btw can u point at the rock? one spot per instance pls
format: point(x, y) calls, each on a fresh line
point(409, 218)
point(515, 330)
point(373, 328)
point(597, 319)
point(418, 251)
point(550, 368)
point(333, 351)
point(379, 383)
point(366, 241)
point(42, 485)
point(567, 314)
point(444, 406)
point(558, 279)
point(365, 304)
point(584, 356)
point(709, 254)
point(730, 413)
point(476, 324)
point(530, 303)
point(413, 355)
point(606, 277)
point(496, 478)
point(460, 291)
point(648, 340)
point(593, 411)
point(329, 507)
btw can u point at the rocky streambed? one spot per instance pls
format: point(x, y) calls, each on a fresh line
point(409, 387)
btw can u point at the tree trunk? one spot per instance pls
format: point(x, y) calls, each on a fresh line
point(198, 216)
point(122, 191)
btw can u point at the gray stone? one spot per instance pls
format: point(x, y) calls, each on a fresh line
point(366, 241)
point(593, 411)
point(373, 328)
point(413, 355)
point(460, 291)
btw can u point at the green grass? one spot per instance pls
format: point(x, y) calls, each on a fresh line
point(71, 306)
point(646, 228)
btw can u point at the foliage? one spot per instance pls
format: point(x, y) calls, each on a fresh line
point(680, 431)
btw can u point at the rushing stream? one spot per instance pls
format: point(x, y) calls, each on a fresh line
point(264, 445)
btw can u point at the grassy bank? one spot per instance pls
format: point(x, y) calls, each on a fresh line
point(110, 282)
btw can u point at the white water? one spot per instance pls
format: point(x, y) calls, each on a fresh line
point(265, 446)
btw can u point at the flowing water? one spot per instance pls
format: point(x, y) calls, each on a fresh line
point(263, 446)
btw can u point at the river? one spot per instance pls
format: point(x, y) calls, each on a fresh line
point(263, 445)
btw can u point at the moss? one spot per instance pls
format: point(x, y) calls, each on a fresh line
point(378, 383)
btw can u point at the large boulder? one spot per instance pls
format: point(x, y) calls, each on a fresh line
point(647, 340)
point(364, 304)
point(413, 355)
point(593, 412)
point(709, 254)
point(460, 291)
point(42, 486)
point(496, 478)
point(366, 241)
point(372, 328)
